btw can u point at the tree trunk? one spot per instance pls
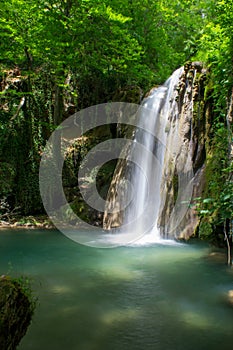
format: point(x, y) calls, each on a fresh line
point(228, 237)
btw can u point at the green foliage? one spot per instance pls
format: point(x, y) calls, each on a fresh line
point(25, 285)
point(7, 178)
point(129, 40)
point(217, 203)
point(205, 230)
point(215, 47)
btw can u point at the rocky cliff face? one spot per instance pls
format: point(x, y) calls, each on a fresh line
point(187, 128)
point(186, 143)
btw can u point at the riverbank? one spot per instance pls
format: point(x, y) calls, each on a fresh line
point(30, 221)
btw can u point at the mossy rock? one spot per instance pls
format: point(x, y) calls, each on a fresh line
point(16, 310)
point(128, 94)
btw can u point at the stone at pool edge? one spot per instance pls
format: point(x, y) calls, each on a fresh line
point(16, 312)
point(230, 297)
point(29, 225)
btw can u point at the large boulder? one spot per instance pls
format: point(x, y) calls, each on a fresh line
point(16, 310)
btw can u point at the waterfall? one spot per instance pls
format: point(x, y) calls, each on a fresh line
point(164, 167)
point(144, 171)
point(147, 155)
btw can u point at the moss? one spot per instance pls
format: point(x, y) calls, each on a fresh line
point(16, 310)
point(208, 88)
point(205, 229)
point(128, 94)
point(199, 119)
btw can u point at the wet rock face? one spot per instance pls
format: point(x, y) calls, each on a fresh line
point(113, 215)
point(15, 313)
point(186, 135)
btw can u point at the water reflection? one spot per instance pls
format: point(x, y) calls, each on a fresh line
point(158, 297)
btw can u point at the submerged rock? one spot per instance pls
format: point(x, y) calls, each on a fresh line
point(218, 257)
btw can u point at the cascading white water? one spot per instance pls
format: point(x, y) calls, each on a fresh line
point(147, 156)
point(152, 189)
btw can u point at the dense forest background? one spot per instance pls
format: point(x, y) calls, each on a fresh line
point(58, 57)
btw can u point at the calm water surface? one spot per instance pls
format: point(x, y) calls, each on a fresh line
point(159, 297)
